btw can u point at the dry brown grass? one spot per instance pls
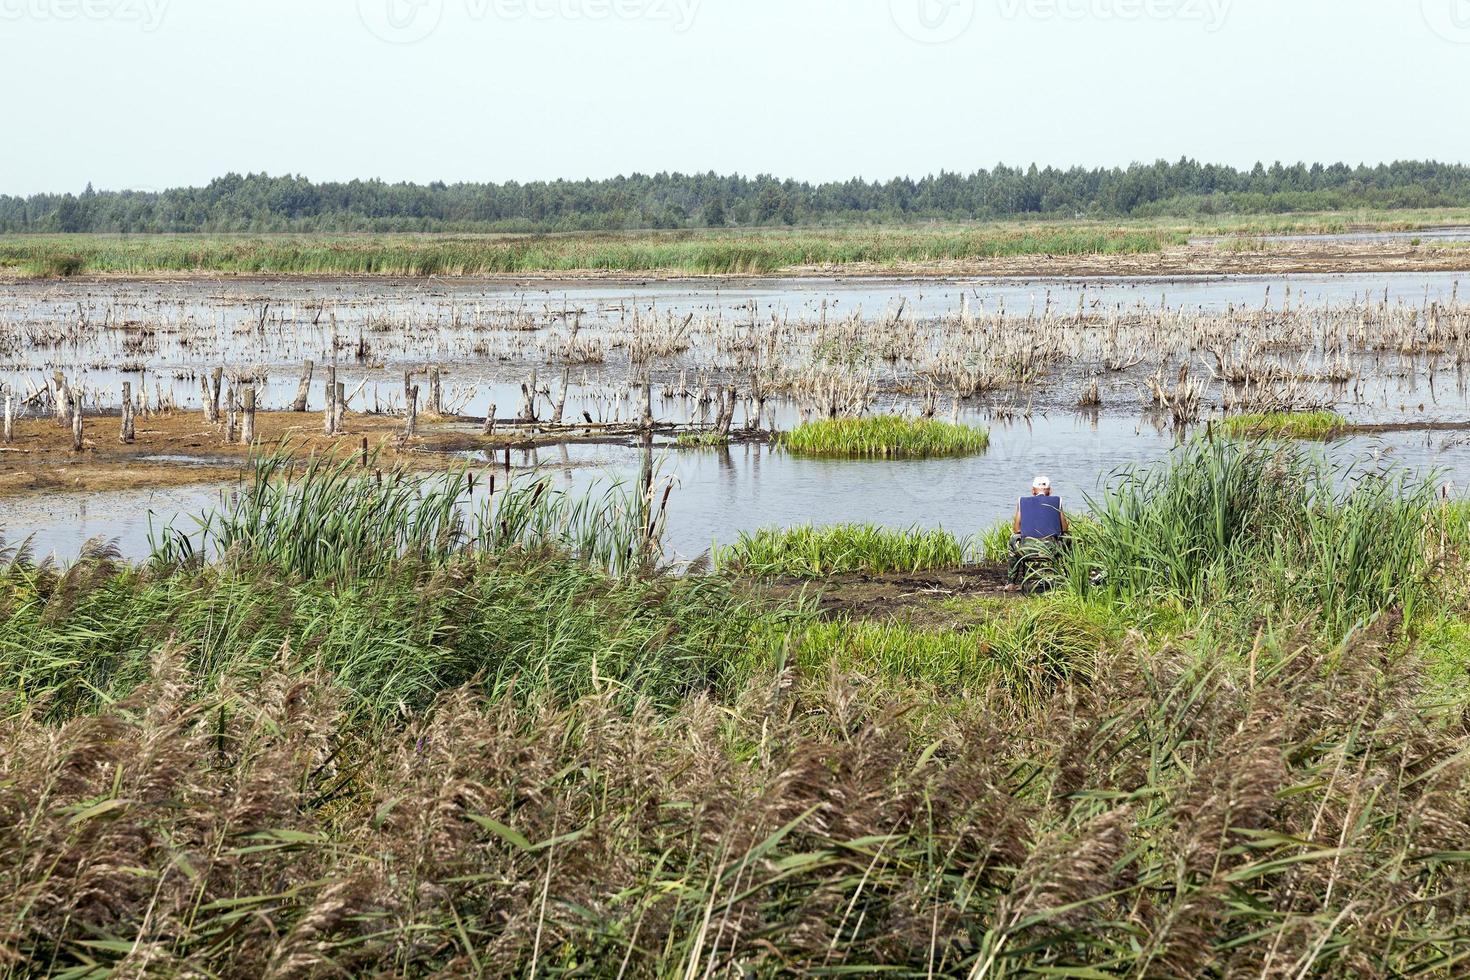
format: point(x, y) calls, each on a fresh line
point(1300, 819)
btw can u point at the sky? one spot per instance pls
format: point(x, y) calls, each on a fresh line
point(150, 94)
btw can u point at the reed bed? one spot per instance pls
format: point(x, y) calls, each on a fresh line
point(340, 516)
point(1225, 523)
point(508, 626)
point(1161, 818)
point(1026, 649)
point(700, 253)
point(813, 552)
point(885, 437)
point(1285, 425)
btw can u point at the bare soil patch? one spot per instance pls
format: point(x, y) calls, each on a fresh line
point(180, 448)
point(916, 597)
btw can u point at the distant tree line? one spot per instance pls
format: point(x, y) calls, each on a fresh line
point(261, 203)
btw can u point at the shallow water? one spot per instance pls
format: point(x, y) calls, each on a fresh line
point(162, 336)
point(719, 494)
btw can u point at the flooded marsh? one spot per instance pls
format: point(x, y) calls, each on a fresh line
point(591, 382)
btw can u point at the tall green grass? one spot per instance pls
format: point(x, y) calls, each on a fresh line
point(1025, 648)
point(700, 253)
point(335, 516)
point(1230, 522)
point(885, 437)
point(807, 551)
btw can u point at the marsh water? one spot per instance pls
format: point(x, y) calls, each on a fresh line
point(165, 334)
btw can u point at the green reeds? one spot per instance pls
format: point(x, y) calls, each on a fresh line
point(340, 517)
point(885, 437)
point(1285, 425)
point(1233, 523)
point(699, 253)
point(994, 543)
point(1025, 648)
point(514, 625)
point(812, 552)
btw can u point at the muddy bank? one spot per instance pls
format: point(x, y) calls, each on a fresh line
point(915, 597)
point(181, 448)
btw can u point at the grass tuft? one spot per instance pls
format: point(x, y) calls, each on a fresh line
point(885, 437)
point(1285, 425)
point(814, 552)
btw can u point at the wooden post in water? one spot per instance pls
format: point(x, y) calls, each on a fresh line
point(303, 390)
point(339, 407)
point(76, 422)
point(125, 436)
point(329, 411)
point(216, 382)
point(489, 429)
point(647, 421)
point(247, 426)
point(528, 399)
point(412, 401)
point(561, 399)
point(436, 392)
point(727, 410)
point(8, 430)
point(230, 427)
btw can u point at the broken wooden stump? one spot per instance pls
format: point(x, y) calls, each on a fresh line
point(303, 390)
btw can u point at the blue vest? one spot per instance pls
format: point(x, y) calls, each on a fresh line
point(1041, 517)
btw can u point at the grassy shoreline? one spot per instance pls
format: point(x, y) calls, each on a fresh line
point(724, 252)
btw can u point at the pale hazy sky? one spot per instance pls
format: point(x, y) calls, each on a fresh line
point(159, 93)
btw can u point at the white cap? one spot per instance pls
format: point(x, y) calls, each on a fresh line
point(1041, 483)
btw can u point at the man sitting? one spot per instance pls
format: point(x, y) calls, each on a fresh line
point(1040, 530)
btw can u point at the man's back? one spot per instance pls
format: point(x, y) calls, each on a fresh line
point(1041, 517)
